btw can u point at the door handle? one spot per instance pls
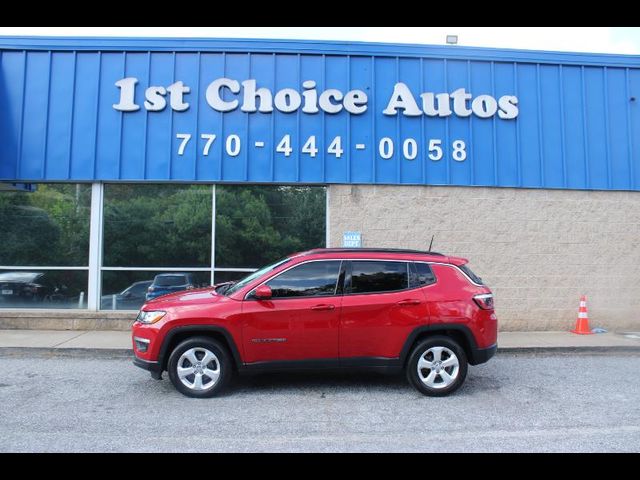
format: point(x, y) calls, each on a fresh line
point(409, 302)
point(323, 306)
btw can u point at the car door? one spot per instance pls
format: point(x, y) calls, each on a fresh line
point(300, 321)
point(380, 307)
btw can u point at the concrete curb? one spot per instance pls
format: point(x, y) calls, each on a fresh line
point(67, 352)
point(128, 353)
point(567, 350)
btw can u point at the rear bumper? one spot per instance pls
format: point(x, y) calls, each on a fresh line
point(482, 355)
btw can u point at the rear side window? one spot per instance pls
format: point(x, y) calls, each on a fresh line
point(367, 277)
point(474, 278)
point(307, 280)
point(421, 275)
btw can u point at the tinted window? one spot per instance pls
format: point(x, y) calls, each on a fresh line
point(378, 276)
point(421, 274)
point(474, 278)
point(309, 279)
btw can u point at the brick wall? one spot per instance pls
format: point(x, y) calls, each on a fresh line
point(539, 250)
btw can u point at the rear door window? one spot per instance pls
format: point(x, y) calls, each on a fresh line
point(421, 275)
point(373, 276)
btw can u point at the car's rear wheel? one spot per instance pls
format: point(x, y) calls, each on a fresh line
point(199, 367)
point(437, 366)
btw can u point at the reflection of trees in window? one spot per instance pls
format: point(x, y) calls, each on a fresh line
point(378, 276)
point(256, 225)
point(47, 227)
point(313, 278)
point(157, 225)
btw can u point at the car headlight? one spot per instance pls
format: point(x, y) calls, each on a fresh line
point(150, 317)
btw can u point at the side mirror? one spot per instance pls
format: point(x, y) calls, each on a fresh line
point(263, 292)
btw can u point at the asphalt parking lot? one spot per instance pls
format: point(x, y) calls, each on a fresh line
point(514, 403)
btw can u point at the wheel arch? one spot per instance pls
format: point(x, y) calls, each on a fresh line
point(458, 332)
point(179, 334)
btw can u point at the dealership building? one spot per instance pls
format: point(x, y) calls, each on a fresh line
point(129, 164)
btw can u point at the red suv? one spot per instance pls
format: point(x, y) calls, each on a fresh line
point(387, 309)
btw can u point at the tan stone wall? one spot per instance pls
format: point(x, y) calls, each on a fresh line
point(42, 319)
point(538, 250)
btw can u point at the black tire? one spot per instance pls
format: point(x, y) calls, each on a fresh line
point(438, 389)
point(223, 363)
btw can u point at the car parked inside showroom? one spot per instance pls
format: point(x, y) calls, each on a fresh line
point(26, 288)
point(131, 298)
point(165, 283)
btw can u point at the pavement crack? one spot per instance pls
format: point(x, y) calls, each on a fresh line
point(68, 340)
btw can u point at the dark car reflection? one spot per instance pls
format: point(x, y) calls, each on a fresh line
point(31, 289)
point(169, 283)
point(131, 298)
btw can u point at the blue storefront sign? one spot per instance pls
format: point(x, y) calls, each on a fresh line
point(308, 112)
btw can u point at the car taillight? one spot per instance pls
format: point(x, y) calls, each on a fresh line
point(484, 301)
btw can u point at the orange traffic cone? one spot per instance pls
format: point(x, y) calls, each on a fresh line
point(582, 323)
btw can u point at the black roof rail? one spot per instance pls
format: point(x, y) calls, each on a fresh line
point(373, 250)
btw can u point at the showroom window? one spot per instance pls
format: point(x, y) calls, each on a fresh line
point(156, 240)
point(259, 224)
point(153, 232)
point(44, 246)
point(146, 239)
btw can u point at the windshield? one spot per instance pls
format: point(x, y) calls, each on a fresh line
point(170, 280)
point(249, 278)
point(18, 276)
point(136, 288)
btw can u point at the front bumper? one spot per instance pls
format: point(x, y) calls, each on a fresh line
point(154, 367)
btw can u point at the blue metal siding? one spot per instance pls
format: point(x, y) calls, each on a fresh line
point(482, 151)
point(633, 119)
point(577, 127)
point(59, 117)
point(507, 154)
point(83, 141)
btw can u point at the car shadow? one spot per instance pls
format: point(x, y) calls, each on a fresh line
point(318, 379)
point(335, 382)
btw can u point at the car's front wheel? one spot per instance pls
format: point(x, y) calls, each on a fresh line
point(199, 367)
point(437, 366)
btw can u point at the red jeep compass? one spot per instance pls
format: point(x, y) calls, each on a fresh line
point(421, 312)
